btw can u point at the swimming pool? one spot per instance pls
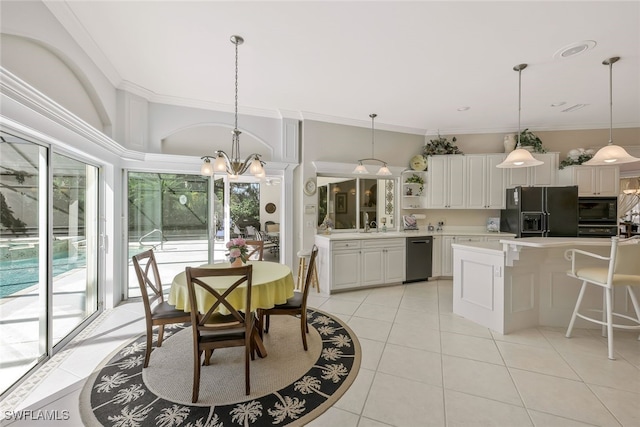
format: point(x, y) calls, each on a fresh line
point(21, 274)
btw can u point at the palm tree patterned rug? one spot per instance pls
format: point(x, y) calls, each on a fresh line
point(288, 387)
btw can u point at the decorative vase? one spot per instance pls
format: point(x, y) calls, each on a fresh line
point(237, 262)
point(509, 142)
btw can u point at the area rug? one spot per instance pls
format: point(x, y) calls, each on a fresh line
point(288, 387)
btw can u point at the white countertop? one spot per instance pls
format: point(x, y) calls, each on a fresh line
point(552, 242)
point(448, 231)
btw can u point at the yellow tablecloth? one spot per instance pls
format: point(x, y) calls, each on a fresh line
point(272, 283)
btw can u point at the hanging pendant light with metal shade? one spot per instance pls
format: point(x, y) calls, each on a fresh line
point(519, 158)
point(361, 169)
point(232, 165)
point(611, 154)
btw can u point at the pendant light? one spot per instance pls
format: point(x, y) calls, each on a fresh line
point(611, 154)
point(361, 169)
point(232, 165)
point(519, 158)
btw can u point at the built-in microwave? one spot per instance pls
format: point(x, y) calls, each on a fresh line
point(598, 211)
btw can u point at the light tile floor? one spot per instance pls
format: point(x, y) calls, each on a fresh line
point(421, 366)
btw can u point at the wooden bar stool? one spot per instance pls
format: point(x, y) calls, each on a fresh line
point(303, 256)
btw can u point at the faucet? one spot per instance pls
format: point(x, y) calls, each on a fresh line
point(366, 222)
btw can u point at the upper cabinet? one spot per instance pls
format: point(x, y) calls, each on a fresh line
point(485, 182)
point(446, 182)
point(542, 175)
point(592, 180)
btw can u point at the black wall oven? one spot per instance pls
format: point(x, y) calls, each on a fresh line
point(597, 216)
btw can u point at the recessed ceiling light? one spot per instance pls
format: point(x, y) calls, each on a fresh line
point(574, 49)
point(558, 104)
point(574, 108)
point(464, 108)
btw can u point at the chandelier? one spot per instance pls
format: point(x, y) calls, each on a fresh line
point(361, 169)
point(232, 165)
point(519, 158)
point(610, 153)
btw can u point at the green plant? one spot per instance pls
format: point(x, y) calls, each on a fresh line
point(576, 157)
point(415, 179)
point(441, 145)
point(529, 139)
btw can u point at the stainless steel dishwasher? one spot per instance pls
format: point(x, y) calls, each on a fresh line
point(419, 256)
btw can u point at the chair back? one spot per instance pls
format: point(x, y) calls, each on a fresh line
point(250, 231)
point(627, 256)
point(210, 321)
point(310, 271)
point(149, 281)
point(256, 250)
point(273, 227)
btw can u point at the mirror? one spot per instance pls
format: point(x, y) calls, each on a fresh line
point(346, 201)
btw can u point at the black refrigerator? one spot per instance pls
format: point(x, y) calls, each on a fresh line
point(541, 212)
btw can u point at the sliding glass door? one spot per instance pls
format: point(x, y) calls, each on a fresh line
point(75, 243)
point(48, 252)
point(167, 213)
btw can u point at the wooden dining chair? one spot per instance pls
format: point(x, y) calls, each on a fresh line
point(212, 329)
point(157, 311)
point(296, 305)
point(256, 250)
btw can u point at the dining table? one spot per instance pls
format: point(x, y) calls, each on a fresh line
point(271, 284)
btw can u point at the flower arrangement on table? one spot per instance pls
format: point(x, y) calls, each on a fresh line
point(237, 249)
point(577, 156)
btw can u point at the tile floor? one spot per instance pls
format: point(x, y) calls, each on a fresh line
point(421, 365)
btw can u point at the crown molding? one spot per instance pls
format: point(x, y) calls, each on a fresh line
point(25, 94)
point(307, 115)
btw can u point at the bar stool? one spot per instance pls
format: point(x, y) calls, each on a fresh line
point(303, 257)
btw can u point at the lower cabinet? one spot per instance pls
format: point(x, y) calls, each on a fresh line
point(367, 262)
point(345, 264)
point(443, 252)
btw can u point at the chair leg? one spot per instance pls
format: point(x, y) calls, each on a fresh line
point(266, 324)
point(247, 377)
point(636, 306)
point(608, 293)
point(160, 335)
point(575, 310)
point(147, 353)
point(196, 377)
point(303, 328)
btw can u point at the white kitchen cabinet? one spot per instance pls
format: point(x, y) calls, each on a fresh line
point(345, 265)
point(592, 180)
point(363, 262)
point(414, 194)
point(447, 256)
point(543, 175)
point(446, 268)
point(383, 261)
point(485, 183)
point(446, 182)
point(436, 261)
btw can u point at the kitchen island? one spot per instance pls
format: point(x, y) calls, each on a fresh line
point(514, 284)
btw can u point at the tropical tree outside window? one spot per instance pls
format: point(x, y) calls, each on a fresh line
point(245, 203)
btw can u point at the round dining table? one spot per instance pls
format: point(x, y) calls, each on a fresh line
point(271, 284)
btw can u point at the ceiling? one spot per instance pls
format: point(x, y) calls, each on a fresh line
point(415, 64)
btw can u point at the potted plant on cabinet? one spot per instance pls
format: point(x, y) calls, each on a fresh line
point(441, 145)
point(530, 141)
